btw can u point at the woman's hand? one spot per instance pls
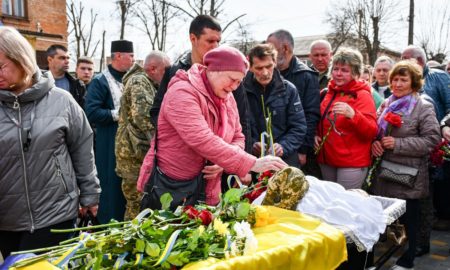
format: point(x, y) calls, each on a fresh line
point(344, 109)
point(268, 163)
point(377, 149)
point(388, 142)
point(317, 141)
point(245, 181)
point(82, 211)
point(211, 171)
point(446, 133)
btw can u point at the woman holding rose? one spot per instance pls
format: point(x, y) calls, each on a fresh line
point(407, 143)
point(348, 123)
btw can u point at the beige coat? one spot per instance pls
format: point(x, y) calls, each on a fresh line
point(414, 141)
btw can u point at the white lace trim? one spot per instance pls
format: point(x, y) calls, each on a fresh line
point(115, 87)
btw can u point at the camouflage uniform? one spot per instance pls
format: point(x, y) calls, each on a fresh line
point(134, 133)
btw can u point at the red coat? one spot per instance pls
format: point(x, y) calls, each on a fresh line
point(187, 128)
point(352, 148)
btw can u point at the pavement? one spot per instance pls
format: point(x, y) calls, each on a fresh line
point(437, 259)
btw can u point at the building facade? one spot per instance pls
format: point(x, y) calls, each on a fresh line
point(41, 22)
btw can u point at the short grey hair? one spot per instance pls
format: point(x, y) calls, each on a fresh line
point(18, 49)
point(351, 57)
point(384, 59)
point(417, 53)
point(320, 42)
point(156, 55)
point(283, 36)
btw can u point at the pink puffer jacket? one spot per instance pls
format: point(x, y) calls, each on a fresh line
point(187, 128)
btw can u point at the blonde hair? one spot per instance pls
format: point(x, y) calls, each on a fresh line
point(18, 49)
point(351, 57)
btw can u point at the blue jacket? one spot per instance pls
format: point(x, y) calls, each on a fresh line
point(288, 118)
point(307, 83)
point(437, 86)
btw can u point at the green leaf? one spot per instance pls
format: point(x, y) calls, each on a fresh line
point(152, 249)
point(140, 245)
point(165, 200)
point(242, 210)
point(233, 195)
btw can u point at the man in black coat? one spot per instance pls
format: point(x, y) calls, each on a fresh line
point(281, 100)
point(306, 81)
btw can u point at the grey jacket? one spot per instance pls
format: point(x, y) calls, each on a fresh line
point(414, 141)
point(46, 158)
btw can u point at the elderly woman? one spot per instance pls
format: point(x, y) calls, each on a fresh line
point(348, 123)
point(46, 160)
point(198, 131)
point(408, 145)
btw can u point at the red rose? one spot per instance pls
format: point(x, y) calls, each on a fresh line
point(394, 119)
point(266, 174)
point(191, 212)
point(256, 192)
point(206, 217)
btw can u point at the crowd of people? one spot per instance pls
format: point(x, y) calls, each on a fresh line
point(111, 144)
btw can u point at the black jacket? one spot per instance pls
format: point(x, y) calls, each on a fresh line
point(307, 83)
point(185, 63)
point(77, 89)
point(288, 119)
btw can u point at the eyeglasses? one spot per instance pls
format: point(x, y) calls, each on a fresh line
point(2, 67)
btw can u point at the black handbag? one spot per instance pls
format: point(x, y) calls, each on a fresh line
point(183, 192)
point(398, 173)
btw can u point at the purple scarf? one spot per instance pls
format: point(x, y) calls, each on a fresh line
point(402, 106)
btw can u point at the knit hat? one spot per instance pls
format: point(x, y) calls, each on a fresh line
point(122, 45)
point(225, 59)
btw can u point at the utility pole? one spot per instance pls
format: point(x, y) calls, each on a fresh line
point(411, 22)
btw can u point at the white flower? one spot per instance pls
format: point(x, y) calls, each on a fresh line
point(242, 229)
point(245, 234)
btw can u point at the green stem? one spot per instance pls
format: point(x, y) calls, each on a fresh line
point(168, 220)
point(109, 225)
point(76, 239)
point(324, 138)
point(41, 249)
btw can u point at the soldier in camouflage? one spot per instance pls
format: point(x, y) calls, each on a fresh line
point(135, 130)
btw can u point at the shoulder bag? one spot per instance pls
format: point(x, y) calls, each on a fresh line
point(398, 173)
point(183, 192)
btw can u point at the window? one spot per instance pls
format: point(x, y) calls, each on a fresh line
point(14, 8)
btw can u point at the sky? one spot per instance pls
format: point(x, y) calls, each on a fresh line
point(300, 17)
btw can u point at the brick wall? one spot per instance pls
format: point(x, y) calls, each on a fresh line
point(45, 23)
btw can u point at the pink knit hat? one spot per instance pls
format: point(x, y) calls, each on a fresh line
point(225, 59)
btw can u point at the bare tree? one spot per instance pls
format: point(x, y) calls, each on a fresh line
point(434, 35)
point(363, 20)
point(245, 40)
point(125, 8)
point(155, 16)
point(83, 33)
point(214, 8)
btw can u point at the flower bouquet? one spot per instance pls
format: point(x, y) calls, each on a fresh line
point(440, 153)
point(158, 239)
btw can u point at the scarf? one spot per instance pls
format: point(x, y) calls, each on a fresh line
point(219, 104)
point(402, 106)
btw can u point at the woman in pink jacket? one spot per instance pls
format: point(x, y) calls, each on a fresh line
point(198, 126)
